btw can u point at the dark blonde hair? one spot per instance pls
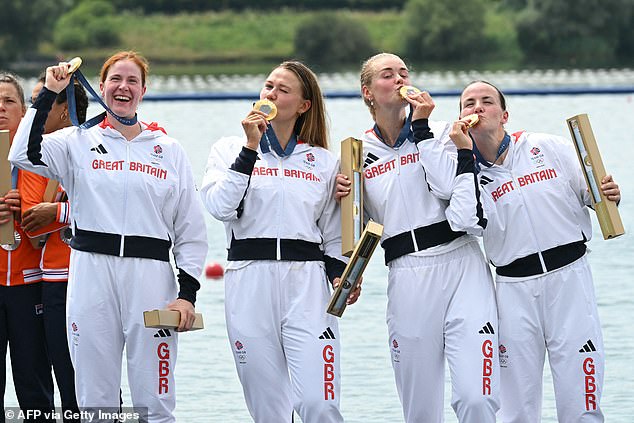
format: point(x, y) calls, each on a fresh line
point(368, 72)
point(311, 126)
point(139, 60)
point(9, 78)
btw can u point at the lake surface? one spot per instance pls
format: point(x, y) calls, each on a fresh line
point(208, 389)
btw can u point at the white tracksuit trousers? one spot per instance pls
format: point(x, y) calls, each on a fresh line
point(285, 345)
point(106, 299)
point(554, 313)
point(444, 306)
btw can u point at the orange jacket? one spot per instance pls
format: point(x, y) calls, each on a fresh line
point(55, 253)
point(21, 266)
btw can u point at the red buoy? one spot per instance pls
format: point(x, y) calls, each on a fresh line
point(214, 270)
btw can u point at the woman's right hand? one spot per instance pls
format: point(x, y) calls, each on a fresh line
point(254, 126)
point(459, 135)
point(343, 186)
point(57, 77)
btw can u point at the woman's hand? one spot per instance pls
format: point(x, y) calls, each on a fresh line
point(187, 312)
point(354, 294)
point(9, 204)
point(459, 134)
point(57, 77)
point(422, 103)
point(610, 189)
point(342, 187)
point(254, 126)
point(39, 216)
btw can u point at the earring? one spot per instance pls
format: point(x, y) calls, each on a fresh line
point(371, 103)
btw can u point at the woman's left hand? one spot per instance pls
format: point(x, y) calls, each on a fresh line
point(610, 189)
point(422, 103)
point(187, 312)
point(354, 294)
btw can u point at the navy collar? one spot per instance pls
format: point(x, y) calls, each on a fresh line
point(269, 141)
point(506, 141)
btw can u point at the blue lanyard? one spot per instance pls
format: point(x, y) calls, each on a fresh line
point(405, 134)
point(501, 149)
point(14, 177)
point(269, 140)
point(72, 107)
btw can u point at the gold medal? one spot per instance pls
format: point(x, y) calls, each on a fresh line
point(408, 90)
point(74, 64)
point(266, 106)
point(471, 120)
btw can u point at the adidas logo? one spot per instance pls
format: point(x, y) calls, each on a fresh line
point(371, 158)
point(99, 149)
point(588, 347)
point(162, 333)
point(327, 334)
point(484, 180)
point(488, 329)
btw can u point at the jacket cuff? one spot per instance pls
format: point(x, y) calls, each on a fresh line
point(63, 213)
point(45, 100)
point(188, 286)
point(421, 130)
point(334, 268)
point(466, 162)
point(245, 161)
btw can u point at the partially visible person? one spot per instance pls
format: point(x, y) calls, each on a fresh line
point(441, 301)
point(133, 194)
point(536, 200)
point(21, 326)
point(49, 222)
point(274, 190)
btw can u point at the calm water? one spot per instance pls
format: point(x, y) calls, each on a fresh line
point(207, 385)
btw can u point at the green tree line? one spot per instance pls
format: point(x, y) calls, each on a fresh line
point(330, 33)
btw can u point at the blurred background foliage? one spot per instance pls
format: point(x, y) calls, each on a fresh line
point(237, 36)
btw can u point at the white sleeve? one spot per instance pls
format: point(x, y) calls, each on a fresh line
point(438, 158)
point(570, 161)
point(46, 155)
point(226, 179)
point(190, 243)
point(330, 221)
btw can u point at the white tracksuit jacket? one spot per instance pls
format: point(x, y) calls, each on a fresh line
point(535, 200)
point(144, 187)
point(431, 165)
point(284, 198)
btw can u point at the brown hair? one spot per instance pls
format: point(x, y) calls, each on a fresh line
point(502, 98)
point(140, 61)
point(311, 125)
point(9, 78)
point(367, 75)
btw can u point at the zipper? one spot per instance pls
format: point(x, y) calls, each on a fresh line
point(9, 268)
point(278, 252)
point(397, 158)
point(125, 196)
point(528, 216)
